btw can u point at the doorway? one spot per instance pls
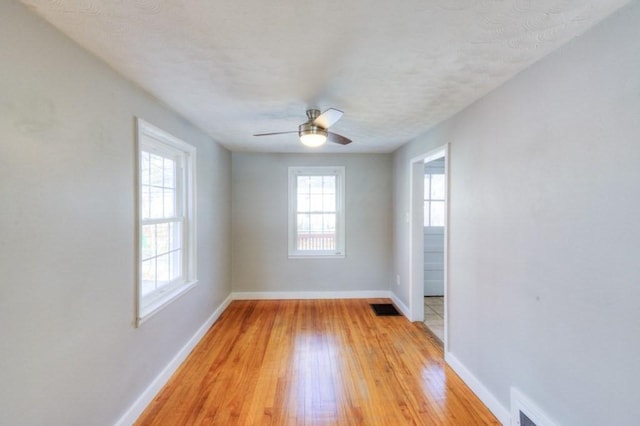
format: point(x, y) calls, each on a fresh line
point(433, 212)
point(428, 235)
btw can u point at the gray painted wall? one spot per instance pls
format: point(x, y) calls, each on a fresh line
point(69, 351)
point(544, 234)
point(260, 208)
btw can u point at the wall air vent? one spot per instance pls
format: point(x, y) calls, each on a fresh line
point(525, 413)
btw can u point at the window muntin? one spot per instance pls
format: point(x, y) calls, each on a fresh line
point(166, 211)
point(316, 217)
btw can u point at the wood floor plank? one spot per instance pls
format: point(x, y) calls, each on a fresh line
point(315, 362)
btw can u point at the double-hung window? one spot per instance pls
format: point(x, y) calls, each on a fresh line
point(166, 212)
point(316, 212)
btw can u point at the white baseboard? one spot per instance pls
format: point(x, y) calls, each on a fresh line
point(403, 308)
point(479, 389)
point(521, 403)
point(288, 295)
point(152, 390)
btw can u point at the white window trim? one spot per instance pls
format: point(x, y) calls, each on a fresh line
point(339, 172)
point(145, 309)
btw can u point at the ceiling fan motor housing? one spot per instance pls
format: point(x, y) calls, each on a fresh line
point(311, 129)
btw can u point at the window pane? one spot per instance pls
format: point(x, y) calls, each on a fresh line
point(148, 276)
point(303, 236)
point(329, 242)
point(148, 242)
point(329, 184)
point(328, 236)
point(162, 238)
point(315, 184)
point(303, 223)
point(156, 170)
point(169, 198)
point(316, 223)
point(320, 234)
point(427, 181)
point(145, 202)
point(302, 184)
point(175, 238)
point(303, 202)
point(175, 265)
point(162, 267)
point(329, 203)
point(315, 203)
point(155, 203)
point(437, 187)
point(169, 180)
point(328, 223)
point(437, 213)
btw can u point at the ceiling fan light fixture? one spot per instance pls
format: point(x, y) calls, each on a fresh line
point(313, 140)
point(312, 136)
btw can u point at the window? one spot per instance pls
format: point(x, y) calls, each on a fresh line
point(316, 212)
point(434, 193)
point(166, 212)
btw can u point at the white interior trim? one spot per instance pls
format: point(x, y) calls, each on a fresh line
point(400, 305)
point(158, 304)
point(290, 295)
point(134, 411)
point(416, 238)
point(481, 391)
point(520, 402)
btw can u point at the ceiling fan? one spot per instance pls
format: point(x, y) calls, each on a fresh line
point(314, 132)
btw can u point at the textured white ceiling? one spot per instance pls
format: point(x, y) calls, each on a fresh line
point(396, 68)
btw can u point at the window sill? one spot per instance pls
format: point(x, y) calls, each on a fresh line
point(150, 308)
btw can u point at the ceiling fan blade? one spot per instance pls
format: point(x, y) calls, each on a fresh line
point(276, 133)
point(328, 118)
point(336, 138)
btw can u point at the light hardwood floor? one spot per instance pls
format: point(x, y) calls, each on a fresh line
point(315, 362)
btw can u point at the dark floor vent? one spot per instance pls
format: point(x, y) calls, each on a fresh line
point(385, 310)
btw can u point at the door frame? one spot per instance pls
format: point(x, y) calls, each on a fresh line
point(416, 234)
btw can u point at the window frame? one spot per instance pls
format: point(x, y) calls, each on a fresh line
point(340, 212)
point(152, 139)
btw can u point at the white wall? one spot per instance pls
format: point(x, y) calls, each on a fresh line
point(544, 231)
point(69, 351)
point(260, 200)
